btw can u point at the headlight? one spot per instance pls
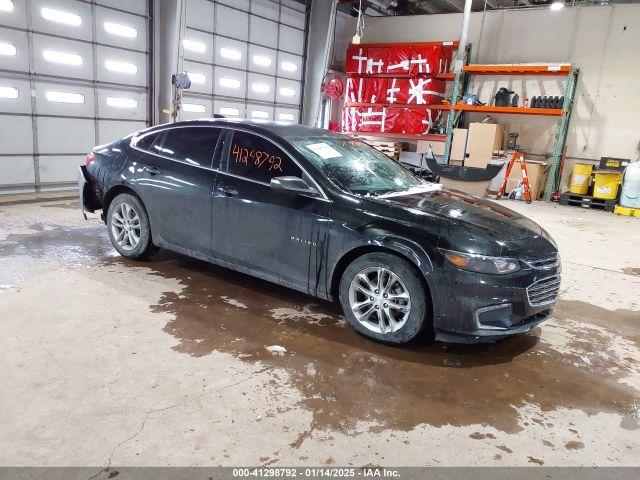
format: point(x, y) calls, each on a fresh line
point(481, 263)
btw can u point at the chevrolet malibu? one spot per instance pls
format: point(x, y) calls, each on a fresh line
point(329, 216)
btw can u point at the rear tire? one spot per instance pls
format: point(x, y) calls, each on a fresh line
point(129, 228)
point(384, 298)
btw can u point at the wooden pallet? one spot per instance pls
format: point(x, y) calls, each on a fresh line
point(587, 201)
point(390, 149)
point(628, 211)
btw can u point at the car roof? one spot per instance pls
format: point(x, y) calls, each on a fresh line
point(279, 129)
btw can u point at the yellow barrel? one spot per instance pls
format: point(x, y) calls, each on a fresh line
point(605, 185)
point(580, 178)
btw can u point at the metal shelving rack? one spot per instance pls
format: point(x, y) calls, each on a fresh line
point(459, 90)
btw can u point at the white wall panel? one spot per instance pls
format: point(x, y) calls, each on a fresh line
point(70, 135)
point(59, 169)
point(229, 109)
point(16, 171)
point(110, 130)
point(126, 58)
point(19, 61)
point(291, 40)
point(265, 8)
point(288, 91)
point(43, 43)
point(292, 17)
point(241, 4)
point(259, 64)
point(261, 87)
point(260, 113)
point(198, 46)
point(264, 32)
point(21, 104)
point(82, 31)
point(287, 115)
point(57, 99)
point(222, 74)
point(287, 60)
point(17, 134)
point(229, 47)
point(135, 6)
point(198, 71)
point(232, 23)
point(196, 107)
point(200, 14)
point(120, 104)
point(17, 17)
point(105, 33)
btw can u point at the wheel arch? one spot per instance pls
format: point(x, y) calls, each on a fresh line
point(112, 193)
point(421, 263)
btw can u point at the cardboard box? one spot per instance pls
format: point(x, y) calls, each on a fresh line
point(474, 188)
point(437, 147)
point(535, 172)
point(459, 144)
point(482, 140)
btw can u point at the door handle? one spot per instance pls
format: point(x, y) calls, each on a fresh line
point(228, 191)
point(152, 170)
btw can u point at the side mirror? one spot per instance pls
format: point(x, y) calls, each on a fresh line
point(292, 185)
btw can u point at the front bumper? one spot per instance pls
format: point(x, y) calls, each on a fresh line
point(471, 307)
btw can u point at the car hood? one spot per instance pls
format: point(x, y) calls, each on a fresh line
point(482, 226)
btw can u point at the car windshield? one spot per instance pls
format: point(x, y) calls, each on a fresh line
point(355, 166)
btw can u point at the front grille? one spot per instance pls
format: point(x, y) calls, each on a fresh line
point(544, 292)
point(546, 262)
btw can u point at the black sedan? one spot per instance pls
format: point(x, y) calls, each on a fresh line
point(329, 216)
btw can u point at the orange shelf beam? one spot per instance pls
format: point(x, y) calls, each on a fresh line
point(395, 105)
point(407, 44)
point(518, 69)
point(554, 112)
point(409, 136)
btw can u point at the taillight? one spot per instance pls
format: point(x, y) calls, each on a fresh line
point(90, 158)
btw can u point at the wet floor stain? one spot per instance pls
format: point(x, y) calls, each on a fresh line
point(344, 378)
point(631, 271)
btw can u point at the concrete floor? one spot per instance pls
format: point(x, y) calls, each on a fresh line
point(105, 361)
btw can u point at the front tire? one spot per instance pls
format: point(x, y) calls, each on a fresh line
point(383, 298)
point(129, 228)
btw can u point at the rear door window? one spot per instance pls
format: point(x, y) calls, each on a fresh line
point(192, 145)
point(150, 142)
point(258, 159)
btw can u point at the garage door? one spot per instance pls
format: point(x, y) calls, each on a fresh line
point(245, 58)
point(73, 74)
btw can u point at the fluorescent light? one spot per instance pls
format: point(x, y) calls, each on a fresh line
point(260, 87)
point(122, 67)
point(6, 6)
point(261, 60)
point(120, 30)
point(194, 107)
point(62, 57)
point(8, 92)
point(65, 97)
point(230, 111)
point(260, 114)
point(288, 66)
point(287, 92)
point(197, 77)
point(230, 53)
point(7, 49)
point(286, 117)
point(61, 17)
point(194, 46)
point(229, 82)
point(557, 5)
point(122, 102)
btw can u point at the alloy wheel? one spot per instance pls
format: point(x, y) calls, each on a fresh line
point(379, 300)
point(125, 226)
